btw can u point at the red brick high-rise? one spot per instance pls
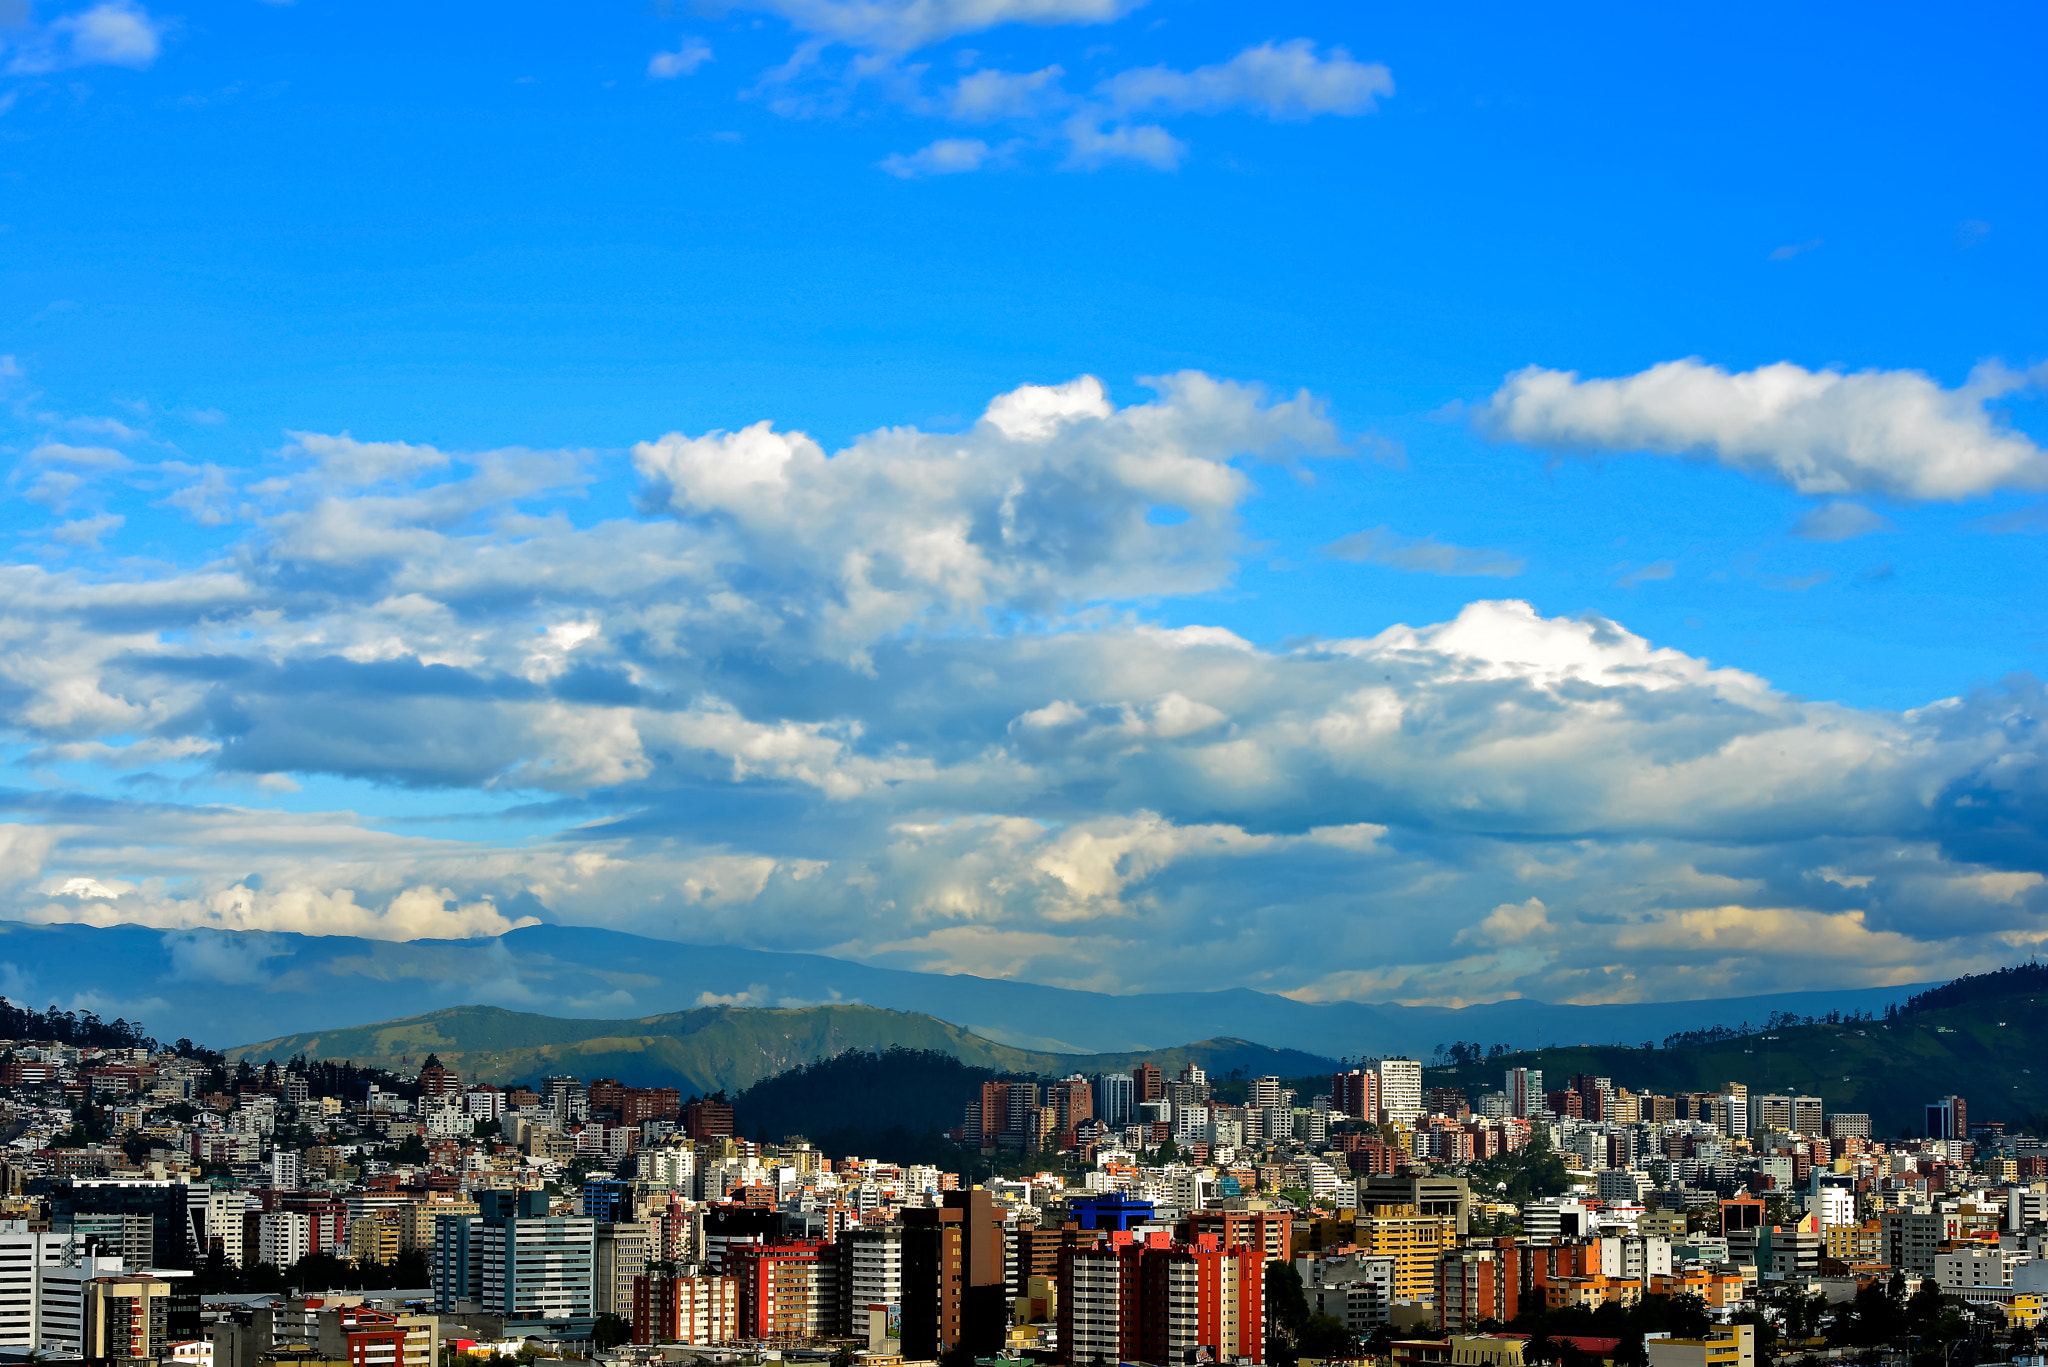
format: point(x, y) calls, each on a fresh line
point(1356, 1094)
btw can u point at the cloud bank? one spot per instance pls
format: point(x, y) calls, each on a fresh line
point(910, 702)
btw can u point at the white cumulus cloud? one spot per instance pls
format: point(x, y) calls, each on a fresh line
point(1895, 432)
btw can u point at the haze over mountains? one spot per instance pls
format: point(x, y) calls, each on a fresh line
point(237, 987)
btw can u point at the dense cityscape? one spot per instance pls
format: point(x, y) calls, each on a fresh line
point(167, 1205)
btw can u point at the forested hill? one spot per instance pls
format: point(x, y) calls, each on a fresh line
point(1977, 1037)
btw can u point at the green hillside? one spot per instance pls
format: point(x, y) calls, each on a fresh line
point(1975, 1038)
point(715, 1047)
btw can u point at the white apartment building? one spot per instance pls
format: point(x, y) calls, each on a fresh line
point(283, 1237)
point(1400, 1090)
point(23, 1255)
point(60, 1301)
point(1097, 1307)
point(877, 1270)
point(539, 1268)
point(669, 1165)
point(707, 1310)
point(224, 1224)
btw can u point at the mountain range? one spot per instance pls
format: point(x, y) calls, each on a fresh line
point(222, 987)
point(719, 1047)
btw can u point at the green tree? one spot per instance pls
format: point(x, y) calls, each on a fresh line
point(1324, 1336)
point(1286, 1312)
point(610, 1331)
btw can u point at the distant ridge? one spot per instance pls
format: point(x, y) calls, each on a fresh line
point(720, 1047)
point(1977, 1037)
point(215, 986)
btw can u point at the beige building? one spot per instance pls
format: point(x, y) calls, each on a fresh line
point(127, 1318)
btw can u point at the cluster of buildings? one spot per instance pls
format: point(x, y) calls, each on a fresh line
point(574, 1213)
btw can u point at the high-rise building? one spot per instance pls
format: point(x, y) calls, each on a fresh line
point(61, 1294)
point(130, 1237)
point(1400, 1090)
point(167, 1204)
point(785, 1290)
point(566, 1098)
point(23, 1254)
point(1356, 1094)
point(1448, 1198)
point(953, 1277)
point(1525, 1092)
point(1149, 1081)
point(1413, 1240)
point(622, 1252)
point(516, 1259)
point(1116, 1099)
point(708, 1118)
point(283, 1237)
point(1263, 1092)
point(1158, 1301)
point(1806, 1116)
point(126, 1318)
point(1845, 1124)
point(224, 1224)
point(1072, 1101)
point(539, 1268)
point(870, 1274)
point(674, 1309)
point(1770, 1111)
point(1948, 1118)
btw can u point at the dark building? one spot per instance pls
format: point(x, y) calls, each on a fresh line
point(1356, 1094)
point(1450, 1101)
point(953, 1278)
point(708, 1118)
point(1948, 1118)
point(1147, 1083)
point(174, 1223)
point(735, 1226)
point(608, 1202)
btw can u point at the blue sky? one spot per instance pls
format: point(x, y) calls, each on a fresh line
point(1605, 446)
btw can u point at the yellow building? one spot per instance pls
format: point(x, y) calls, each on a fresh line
point(1413, 1240)
point(1720, 1290)
point(2023, 1312)
point(126, 1318)
point(1732, 1345)
point(416, 1220)
point(1487, 1350)
point(375, 1239)
point(1591, 1292)
point(1662, 1224)
point(1853, 1244)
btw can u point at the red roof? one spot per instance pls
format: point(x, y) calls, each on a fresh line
point(1591, 1347)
